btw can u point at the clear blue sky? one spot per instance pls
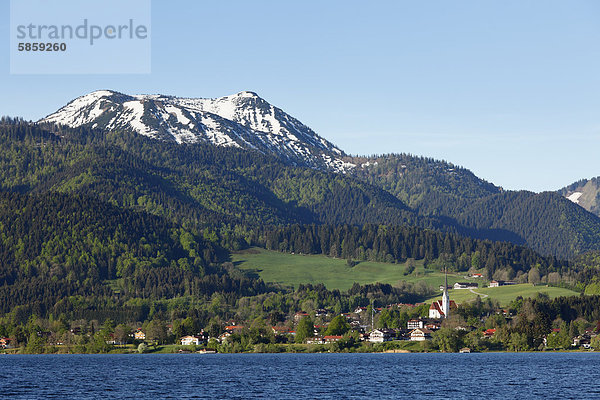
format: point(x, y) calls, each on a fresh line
point(508, 89)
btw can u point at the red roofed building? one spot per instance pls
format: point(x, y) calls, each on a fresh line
point(415, 323)
point(420, 334)
point(488, 333)
point(281, 330)
point(234, 328)
point(437, 310)
point(441, 308)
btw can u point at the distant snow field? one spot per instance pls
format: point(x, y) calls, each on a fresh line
point(241, 120)
point(574, 197)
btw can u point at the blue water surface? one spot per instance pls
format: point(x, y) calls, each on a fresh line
point(302, 376)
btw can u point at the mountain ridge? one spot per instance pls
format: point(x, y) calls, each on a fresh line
point(431, 193)
point(243, 120)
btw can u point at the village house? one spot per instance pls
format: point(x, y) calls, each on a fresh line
point(415, 323)
point(436, 310)
point(112, 340)
point(408, 305)
point(464, 328)
point(224, 337)
point(234, 328)
point(420, 334)
point(433, 326)
point(4, 343)
point(584, 341)
point(323, 339)
point(321, 312)
point(139, 335)
point(191, 340)
point(382, 335)
point(403, 334)
point(315, 340)
point(501, 283)
point(476, 275)
point(282, 331)
point(590, 331)
point(489, 333)
point(358, 310)
point(466, 285)
point(299, 315)
point(354, 324)
point(331, 338)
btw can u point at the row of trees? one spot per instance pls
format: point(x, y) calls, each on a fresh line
point(400, 243)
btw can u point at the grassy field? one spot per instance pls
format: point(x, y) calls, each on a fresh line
point(293, 269)
point(506, 294)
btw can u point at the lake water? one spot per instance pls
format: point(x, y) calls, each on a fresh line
point(302, 376)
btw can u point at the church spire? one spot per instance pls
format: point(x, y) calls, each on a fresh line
point(446, 278)
point(445, 297)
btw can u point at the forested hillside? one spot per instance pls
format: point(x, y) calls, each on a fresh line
point(198, 185)
point(57, 247)
point(428, 185)
point(546, 222)
point(232, 192)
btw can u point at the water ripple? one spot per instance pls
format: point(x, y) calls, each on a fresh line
point(306, 376)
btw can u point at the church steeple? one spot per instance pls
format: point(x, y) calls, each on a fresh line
point(445, 297)
point(441, 308)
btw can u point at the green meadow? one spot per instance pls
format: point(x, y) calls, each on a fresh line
point(334, 273)
point(505, 294)
point(294, 269)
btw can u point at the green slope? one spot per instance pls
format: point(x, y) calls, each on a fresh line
point(334, 273)
point(294, 269)
point(505, 294)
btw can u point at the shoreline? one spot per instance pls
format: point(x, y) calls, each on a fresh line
point(397, 351)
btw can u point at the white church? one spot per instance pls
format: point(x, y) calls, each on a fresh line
point(441, 308)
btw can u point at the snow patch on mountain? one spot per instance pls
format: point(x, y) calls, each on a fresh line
point(243, 120)
point(574, 197)
point(368, 164)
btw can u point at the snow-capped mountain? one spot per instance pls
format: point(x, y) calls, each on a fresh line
point(241, 120)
